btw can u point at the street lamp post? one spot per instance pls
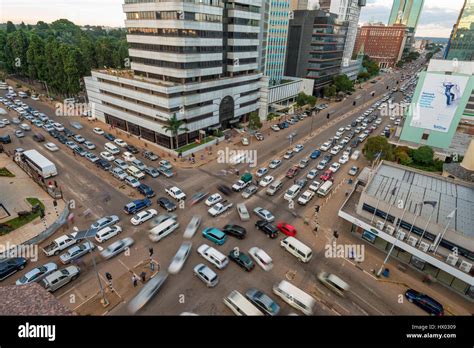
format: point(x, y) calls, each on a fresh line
point(439, 238)
point(433, 204)
point(103, 300)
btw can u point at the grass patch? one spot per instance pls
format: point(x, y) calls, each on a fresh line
point(193, 145)
point(20, 221)
point(5, 172)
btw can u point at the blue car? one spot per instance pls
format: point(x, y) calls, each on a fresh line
point(214, 235)
point(136, 205)
point(109, 137)
point(146, 190)
point(425, 302)
point(315, 154)
point(283, 125)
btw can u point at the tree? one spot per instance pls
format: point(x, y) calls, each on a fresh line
point(254, 121)
point(378, 145)
point(311, 100)
point(174, 126)
point(371, 66)
point(10, 27)
point(343, 83)
point(301, 99)
point(423, 155)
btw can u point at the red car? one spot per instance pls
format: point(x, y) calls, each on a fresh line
point(286, 229)
point(292, 172)
point(327, 175)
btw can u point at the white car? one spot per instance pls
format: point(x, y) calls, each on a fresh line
point(25, 127)
point(275, 128)
point(131, 181)
point(213, 199)
point(99, 131)
point(245, 141)
point(51, 147)
point(264, 214)
point(58, 126)
point(120, 142)
point(355, 155)
point(128, 156)
point(176, 193)
point(288, 154)
point(266, 181)
point(107, 156)
point(180, 258)
point(220, 208)
point(335, 167)
point(274, 164)
point(89, 145)
point(166, 164)
point(305, 197)
point(314, 186)
point(261, 258)
point(116, 248)
point(378, 121)
point(192, 227)
point(312, 174)
point(326, 146)
point(335, 150)
point(344, 159)
point(143, 216)
point(261, 172)
point(298, 148)
point(107, 233)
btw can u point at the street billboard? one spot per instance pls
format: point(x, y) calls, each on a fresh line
point(438, 101)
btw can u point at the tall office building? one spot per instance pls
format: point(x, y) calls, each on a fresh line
point(461, 42)
point(299, 5)
point(196, 60)
point(407, 12)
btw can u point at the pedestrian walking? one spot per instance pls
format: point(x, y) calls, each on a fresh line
point(134, 280)
point(143, 276)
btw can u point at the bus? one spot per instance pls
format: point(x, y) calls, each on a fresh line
point(40, 164)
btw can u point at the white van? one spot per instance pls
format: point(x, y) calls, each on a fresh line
point(213, 256)
point(325, 188)
point(240, 305)
point(114, 150)
point(295, 297)
point(107, 233)
point(292, 192)
point(301, 251)
point(162, 230)
point(135, 172)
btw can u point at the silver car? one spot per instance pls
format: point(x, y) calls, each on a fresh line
point(192, 226)
point(148, 291)
point(60, 278)
point(116, 248)
point(76, 252)
point(38, 273)
point(207, 275)
point(105, 221)
point(264, 214)
point(180, 258)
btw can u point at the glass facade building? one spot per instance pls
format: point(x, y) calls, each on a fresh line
point(461, 43)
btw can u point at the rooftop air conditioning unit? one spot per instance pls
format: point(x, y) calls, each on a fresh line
point(424, 246)
point(452, 259)
point(400, 235)
point(390, 230)
point(412, 241)
point(380, 225)
point(465, 266)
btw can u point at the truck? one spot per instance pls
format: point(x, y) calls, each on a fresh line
point(325, 188)
point(59, 244)
point(220, 208)
point(40, 164)
point(176, 193)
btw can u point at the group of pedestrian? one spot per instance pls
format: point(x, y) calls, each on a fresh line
point(135, 279)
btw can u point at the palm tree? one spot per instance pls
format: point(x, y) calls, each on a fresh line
point(174, 126)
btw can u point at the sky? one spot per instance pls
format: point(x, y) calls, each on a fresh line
point(436, 20)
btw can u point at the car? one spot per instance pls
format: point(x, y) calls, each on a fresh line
point(312, 174)
point(76, 252)
point(208, 276)
point(335, 150)
point(240, 185)
point(103, 164)
point(333, 282)
point(287, 229)
point(116, 172)
point(192, 226)
point(98, 130)
point(264, 214)
point(235, 230)
point(5, 139)
point(245, 141)
point(8, 266)
point(327, 175)
point(344, 159)
point(178, 260)
point(266, 181)
point(214, 235)
point(152, 171)
point(165, 164)
point(289, 154)
point(315, 154)
point(146, 190)
point(168, 173)
point(225, 189)
point(266, 227)
point(136, 205)
point(25, 127)
point(249, 191)
point(76, 125)
point(213, 199)
point(325, 146)
point(131, 181)
point(166, 204)
point(243, 212)
point(176, 193)
point(130, 148)
point(162, 218)
point(259, 136)
point(116, 248)
point(68, 132)
point(121, 163)
point(51, 147)
point(5, 121)
point(298, 148)
point(107, 233)
point(261, 258)
point(89, 145)
point(292, 172)
point(138, 164)
point(261, 172)
point(425, 302)
point(314, 186)
point(274, 164)
point(19, 133)
point(150, 155)
point(79, 138)
point(104, 222)
point(353, 171)
point(149, 290)
point(241, 259)
point(263, 302)
point(58, 126)
point(107, 156)
point(17, 121)
point(38, 273)
point(305, 197)
point(220, 208)
point(275, 128)
point(128, 156)
point(108, 136)
point(38, 123)
point(120, 142)
point(335, 167)
point(80, 151)
point(59, 278)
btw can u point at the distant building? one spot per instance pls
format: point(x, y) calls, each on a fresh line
point(461, 42)
point(299, 5)
point(383, 44)
point(315, 47)
point(464, 170)
point(407, 12)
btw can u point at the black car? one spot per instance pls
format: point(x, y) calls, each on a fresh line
point(425, 302)
point(225, 189)
point(54, 133)
point(150, 155)
point(354, 123)
point(235, 230)
point(63, 139)
point(165, 203)
point(38, 137)
point(11, 265)
point(103, 164)
point(109, 136)
point(5, 139)
point(242, 259)
point(68, 132)
point(354, 143)
point(130, 148)
point(270, 230)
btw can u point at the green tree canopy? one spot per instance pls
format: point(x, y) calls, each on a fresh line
point(343, 83)
point(378, 145)
point(423, 155)
point(174, 126)
point(254, 121)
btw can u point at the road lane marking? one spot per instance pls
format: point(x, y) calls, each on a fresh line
point(367, 303)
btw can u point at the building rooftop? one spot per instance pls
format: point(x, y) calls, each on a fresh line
point(414, 186)
point(30, 299)
point(456, 170)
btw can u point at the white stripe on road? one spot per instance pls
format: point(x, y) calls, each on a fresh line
point(367, 303)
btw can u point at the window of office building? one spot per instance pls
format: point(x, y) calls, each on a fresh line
point(133, 129)
point(147, 134)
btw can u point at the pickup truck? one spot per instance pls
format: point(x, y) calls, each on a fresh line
point(219, 208)
point(240, 185)
point(176, 193)
point(60, 244)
